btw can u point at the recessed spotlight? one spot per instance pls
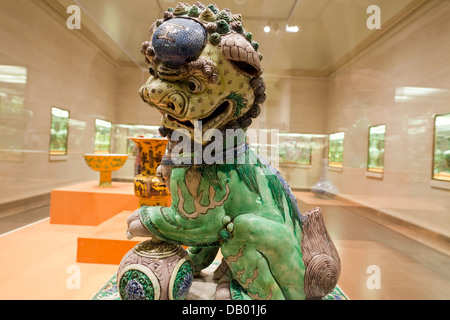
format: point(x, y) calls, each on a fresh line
point(292, 28)
point(267, 29)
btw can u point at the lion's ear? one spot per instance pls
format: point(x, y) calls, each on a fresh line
point(151, 31)
point(241, 54)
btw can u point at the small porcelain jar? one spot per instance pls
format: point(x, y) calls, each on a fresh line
point(155, 271)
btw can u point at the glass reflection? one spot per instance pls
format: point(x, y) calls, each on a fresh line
point(336, 150)
point(375, 160)
point(13, 80)
point(295, 148)
point(102, 136)
point(121, 132)
point(441, 165)
point(59, 132)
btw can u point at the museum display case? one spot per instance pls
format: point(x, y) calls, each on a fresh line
point(349, 99)
point(441, 163)
point(121, 132)
point(375, 155)
point(265, 143)
point(295, 148)
point(59, 132)
point(102, 136)
point(13, 115)
point(336, 150)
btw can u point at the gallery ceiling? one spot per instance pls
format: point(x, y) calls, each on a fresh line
point(328, 30)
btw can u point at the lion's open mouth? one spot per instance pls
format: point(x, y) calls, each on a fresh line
point(214, 120)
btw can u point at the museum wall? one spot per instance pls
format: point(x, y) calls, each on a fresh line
point(63, 69)
point(299, 105)
point(130, 109)
point(66, 69)
point(402, 81)
point(294, 104)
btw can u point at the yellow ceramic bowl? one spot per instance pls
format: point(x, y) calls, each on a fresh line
point(105, 164)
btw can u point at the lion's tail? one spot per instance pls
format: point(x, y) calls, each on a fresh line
point(320, 256)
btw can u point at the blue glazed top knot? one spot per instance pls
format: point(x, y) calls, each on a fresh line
point(178, 41)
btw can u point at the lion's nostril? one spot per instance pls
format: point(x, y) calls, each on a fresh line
point(170, 105)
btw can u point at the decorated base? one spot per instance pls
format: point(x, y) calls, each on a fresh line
point(203, 288)
point(155, 271)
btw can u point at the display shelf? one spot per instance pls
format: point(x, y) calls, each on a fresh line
point(375, 175)
point(88, 204)
point(107, 244)
point(440, 184)
point(292, 165)
point(335, 169)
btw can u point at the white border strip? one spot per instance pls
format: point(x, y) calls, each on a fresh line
point(24, 227)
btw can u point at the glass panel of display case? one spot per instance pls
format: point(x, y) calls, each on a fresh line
point(59, 132)
point(375, 158)
point(295, 148)
point(266, 144)
point(441, 165)
point(336, 150)
point(102, 136)
point(13, 116)
point(140, 131)
point(121, 132)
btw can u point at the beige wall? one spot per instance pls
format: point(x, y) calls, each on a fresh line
point(295, 104)
point(64, 70)
point(368, 92)
point(130, 109)
point(67, 70)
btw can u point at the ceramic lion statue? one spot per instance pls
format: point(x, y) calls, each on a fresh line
point(206, 81)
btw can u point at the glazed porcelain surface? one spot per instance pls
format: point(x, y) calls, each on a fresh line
point(105, 164)
point(147, 185)
point(155, 271)
point(206, 80)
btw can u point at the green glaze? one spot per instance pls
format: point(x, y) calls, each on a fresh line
point(247, 210)
point(259, 233)
point(136, 285)
point(183, 281)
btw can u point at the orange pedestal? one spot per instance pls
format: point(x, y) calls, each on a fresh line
point(106, 251)
point(107, 243)
point(88, 204)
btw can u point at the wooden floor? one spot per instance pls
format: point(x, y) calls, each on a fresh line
point(381, 258)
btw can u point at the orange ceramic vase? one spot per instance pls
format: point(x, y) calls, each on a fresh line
point(150, 190)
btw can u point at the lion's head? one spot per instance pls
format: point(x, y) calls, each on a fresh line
point(204, 68)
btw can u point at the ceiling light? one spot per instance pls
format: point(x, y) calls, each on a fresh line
point(13, 74)
point(292, 28)
point(267, 29)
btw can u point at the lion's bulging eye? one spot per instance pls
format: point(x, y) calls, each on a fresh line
point(194, 85)
point(152, 72)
